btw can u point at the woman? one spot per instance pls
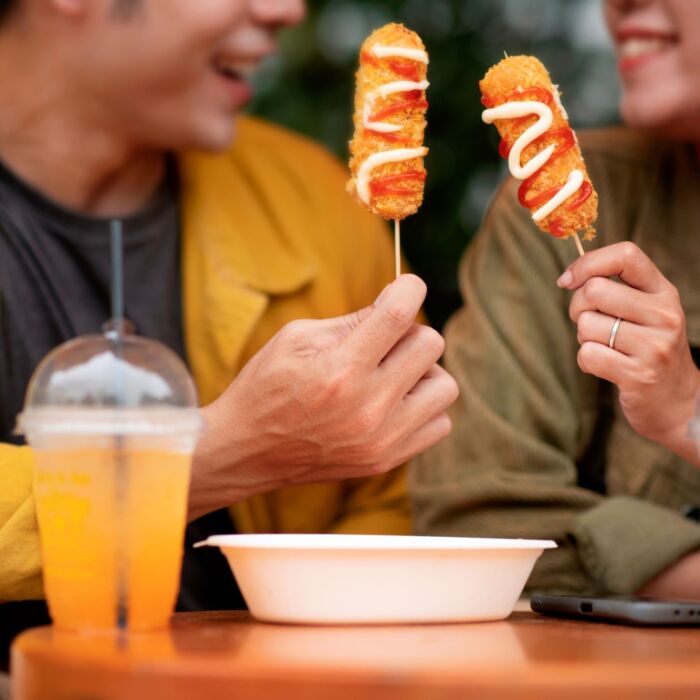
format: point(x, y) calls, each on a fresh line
point(602, 461)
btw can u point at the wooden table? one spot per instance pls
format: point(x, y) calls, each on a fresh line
point(229, 655)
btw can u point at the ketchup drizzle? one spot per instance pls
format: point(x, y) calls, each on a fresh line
point(383, 185)
point(412, 99)
point(406, 69)
point(566, 139)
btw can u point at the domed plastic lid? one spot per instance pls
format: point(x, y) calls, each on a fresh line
point(111, 384)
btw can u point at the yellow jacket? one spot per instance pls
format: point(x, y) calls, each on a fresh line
point(269, 235)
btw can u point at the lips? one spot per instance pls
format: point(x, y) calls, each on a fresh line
point(637, 47)
point(235, 68)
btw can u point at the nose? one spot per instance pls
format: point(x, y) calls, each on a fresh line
point(278, 13)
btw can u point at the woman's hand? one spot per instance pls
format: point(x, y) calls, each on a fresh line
point(647, 355)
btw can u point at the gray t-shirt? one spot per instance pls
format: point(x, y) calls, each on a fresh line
point(55, 280)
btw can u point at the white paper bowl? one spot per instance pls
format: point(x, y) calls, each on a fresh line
point(370, 579)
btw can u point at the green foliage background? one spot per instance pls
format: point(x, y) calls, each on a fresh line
point(309, 87)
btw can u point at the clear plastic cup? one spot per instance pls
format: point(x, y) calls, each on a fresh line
point(113, 422)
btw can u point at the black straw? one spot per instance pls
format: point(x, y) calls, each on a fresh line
point(121, 461)
point(117, 273)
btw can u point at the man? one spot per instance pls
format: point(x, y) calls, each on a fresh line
point(602, 461)
point(222, 251)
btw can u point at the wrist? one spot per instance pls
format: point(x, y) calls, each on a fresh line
point(677, 437)
point(223, 465)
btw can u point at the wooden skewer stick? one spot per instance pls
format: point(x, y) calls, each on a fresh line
point(397, 245)
point(579, 247)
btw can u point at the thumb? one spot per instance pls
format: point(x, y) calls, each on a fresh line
point(343, 326)
point(409, 289)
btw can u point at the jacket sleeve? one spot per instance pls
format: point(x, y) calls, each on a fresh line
point(525, 423)
point(20, 562)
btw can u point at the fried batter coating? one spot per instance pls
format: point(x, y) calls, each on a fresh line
point(393, 190)
point(524, 78)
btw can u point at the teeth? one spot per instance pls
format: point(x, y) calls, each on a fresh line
point(631, 48)
point(234, 68)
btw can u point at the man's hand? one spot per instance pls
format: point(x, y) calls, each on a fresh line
point(325, 400)
point(650, 360)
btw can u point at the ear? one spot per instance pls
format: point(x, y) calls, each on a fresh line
point(71, 8)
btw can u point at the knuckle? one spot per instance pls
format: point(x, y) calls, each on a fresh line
point(594, 289)
point(585, 356)
point(586, 324)
point(367, 421)
point(398, 311)
point(673, 320)
point(629, 252)
point(674, 294)
point(333, 384)
point(648, 376)
point(451, 389)
point(444, 426)
point(294, 330)
point(432, 340)
point(576, 301)
point(661, 352)
point(676, 324)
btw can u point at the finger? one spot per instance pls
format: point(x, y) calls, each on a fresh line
point(431, 396)
point(389, 320)
point(425, 437)
point(597, 328)
point(599, 360)
point(624, 260)
point(616, 300)
point(410, 359)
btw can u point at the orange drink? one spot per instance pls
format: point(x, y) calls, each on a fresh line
point(112, 421)
point(95, 533)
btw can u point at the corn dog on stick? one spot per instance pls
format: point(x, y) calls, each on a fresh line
point(386, 152)
point(540, 146)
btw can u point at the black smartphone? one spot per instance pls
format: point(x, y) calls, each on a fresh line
point(621, 609)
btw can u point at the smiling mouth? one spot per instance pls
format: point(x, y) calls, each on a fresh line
point(635, 48)
point(235, 69)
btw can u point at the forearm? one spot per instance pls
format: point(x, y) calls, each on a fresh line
point(224, 469)
point(680, 581)
point(625, 542)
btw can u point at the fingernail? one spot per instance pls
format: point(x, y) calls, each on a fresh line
point(565, 280)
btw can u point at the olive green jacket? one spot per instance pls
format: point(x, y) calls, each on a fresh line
point(540, 449)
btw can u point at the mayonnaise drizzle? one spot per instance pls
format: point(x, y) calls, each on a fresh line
point(399, 154)
point(382, 158)
point(385, 91)
point(399, 52)
point(513, 110)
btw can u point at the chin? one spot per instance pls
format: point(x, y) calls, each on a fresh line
point(644, 113)
point(212, 136)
